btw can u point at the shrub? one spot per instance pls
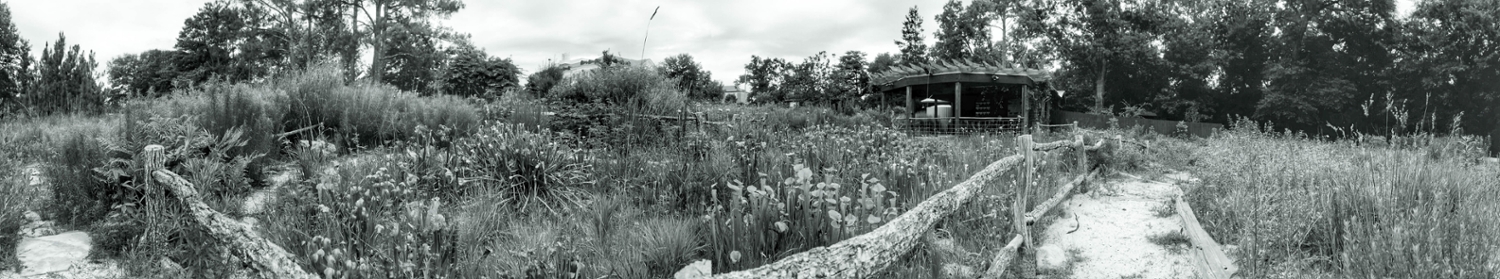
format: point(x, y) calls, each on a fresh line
point(633, 89)
point(367, 114)
point(14, 199)
point(79, 195)
point(529, 169)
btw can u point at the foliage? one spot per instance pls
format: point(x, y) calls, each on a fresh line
point(964, 32)
point(540, 82)
point(65, 81)
point(227, 43)
point(913, 50)
point(416, 61)
point(1345, 207)
point(632, 89)
point(367, 114)
point(850, 78)
point(15, 58)
point(474, 73)
point(691, 78)
point(529, 170)
point(882, 62)
point(765, 77)
point(150, 73)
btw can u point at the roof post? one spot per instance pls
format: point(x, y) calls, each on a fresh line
point(910, 107)
point(958, 99)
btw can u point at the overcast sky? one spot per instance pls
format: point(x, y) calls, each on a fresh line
point(720, 35)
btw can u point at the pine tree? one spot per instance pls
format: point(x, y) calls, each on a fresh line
point(913, 50)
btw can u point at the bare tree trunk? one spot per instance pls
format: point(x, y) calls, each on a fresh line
point(265, 259)
point(1099, 87)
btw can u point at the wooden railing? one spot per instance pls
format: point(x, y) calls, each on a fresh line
point(868, 254)
point(961, 125)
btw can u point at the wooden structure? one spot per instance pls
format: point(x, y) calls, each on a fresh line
point(981, 97)
point(866, 255)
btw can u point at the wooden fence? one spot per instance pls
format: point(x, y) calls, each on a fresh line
point(858, 257)
point(1165, 127)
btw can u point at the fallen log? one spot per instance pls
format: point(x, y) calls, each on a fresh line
point(1209, 260)
point(264, 259)
point(867, 254)
point(1062, 194)
point(1003, 258)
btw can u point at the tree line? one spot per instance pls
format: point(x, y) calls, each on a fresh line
point(250, 40)
point(1321, 66)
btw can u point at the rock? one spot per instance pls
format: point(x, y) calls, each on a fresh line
point(167, 265)
point(35, 227)
point(953, 270)
point(32, 216)
point(322, 147)
point(55, 253)
point(1051, 257)
point(698, 269)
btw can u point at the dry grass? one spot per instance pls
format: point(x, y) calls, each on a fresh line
point(1302, 206)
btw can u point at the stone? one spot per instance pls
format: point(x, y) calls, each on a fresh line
point(1051, 257)
point(954, 270)
point(696, 270)
point(42, 255)
point(32, 216)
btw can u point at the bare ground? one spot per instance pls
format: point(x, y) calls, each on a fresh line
point(1107, 232)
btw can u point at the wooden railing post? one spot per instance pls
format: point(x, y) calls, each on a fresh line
point(1028, 170)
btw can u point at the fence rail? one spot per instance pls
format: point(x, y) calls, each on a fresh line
point(867, 254)
point(961, 125)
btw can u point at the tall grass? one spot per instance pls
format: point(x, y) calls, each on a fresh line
point(1299, 206)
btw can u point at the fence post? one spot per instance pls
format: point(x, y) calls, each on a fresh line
point(1027, 253)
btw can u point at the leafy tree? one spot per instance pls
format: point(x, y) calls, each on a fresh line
point(540, 82)
point(810, 80)
point(964, 32)
point(229, 43)
point(415, 58)
point(766, 77)
point(152, 71)
point(65, 80)
point(1103, 42)
point(471, 72)
point(1448, 55)
point(882, 62)
point(15, 58)
point(850, 78)
point(691, 78)
point(913, 50)
point(385, 19)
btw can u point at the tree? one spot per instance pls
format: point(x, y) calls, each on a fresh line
point(850, 78)
point(471, 72)
point(65, 80)
point(913, 50)
point(765, 77)
point(415, 58)
point(386, 18)
point(15, 58)
point(540, 82)
point(690, 77)
point(1102, 42)
point(152, 71)
point(810, 81)
point(229, 43)
point(882, 62)
point(1444, 54)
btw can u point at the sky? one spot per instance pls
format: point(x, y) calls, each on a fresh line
point(721, 35)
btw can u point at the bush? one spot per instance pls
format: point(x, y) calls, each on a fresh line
point(80, 196)
point(529, 169)
point(632, 89)
point(366, 114)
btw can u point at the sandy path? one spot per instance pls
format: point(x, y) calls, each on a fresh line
point(1110, 232)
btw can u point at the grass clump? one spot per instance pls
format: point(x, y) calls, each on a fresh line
point(1349, 209)
point(1174, 241)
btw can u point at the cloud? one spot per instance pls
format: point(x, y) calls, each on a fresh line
point(720, 34)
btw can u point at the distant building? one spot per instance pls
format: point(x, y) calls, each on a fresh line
point(733, 94)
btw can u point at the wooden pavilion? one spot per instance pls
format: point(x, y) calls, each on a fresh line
point(959, 96)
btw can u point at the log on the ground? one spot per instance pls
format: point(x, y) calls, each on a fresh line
point(1057, 145)
point(867, 254)
point(1209, 260)
point(265, 259)
point(1004, 258)
point(1062, 194)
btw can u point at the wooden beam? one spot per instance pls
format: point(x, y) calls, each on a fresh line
point(1209, 260)
point(910, 106)
point(1062, 194)
point(958, 99)
point(1018, 207)
point(1026, 107)
point(867, 254)
point(1003, 258)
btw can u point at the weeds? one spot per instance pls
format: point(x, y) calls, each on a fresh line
point(1174, 241)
